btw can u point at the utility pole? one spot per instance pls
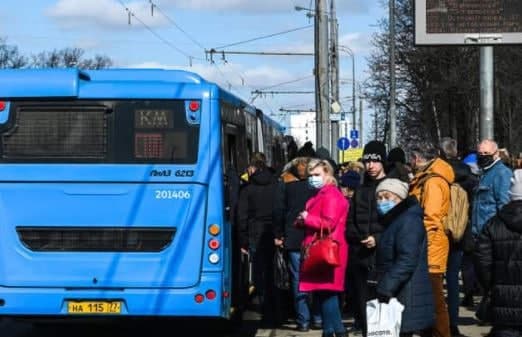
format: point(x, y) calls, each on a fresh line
point(361, 139)
point(321, 75)
point(486, 93)
point(350, 52)
point(353, 91)
point(334, 75)
point(393, 116)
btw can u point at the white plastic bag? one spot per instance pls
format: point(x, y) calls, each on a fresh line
point(384, 319)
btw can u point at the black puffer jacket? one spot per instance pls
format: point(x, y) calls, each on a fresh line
point(363, 221)
point(255, 208)
point(290, 200)
point(498, 261)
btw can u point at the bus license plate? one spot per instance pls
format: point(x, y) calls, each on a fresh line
point(94, 307)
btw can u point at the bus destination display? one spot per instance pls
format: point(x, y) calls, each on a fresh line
point(153, 119)
point(473, 16)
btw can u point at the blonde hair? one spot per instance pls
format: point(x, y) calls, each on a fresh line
point(328, 169)
point(356, 166)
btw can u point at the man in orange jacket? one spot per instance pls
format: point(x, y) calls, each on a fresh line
point(431, 187)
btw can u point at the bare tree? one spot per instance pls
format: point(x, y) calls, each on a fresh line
point(98, 62)
point(438, 88)
point(10, 56)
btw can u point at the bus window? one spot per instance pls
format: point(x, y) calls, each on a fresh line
point(249, 149)
point(88, 131)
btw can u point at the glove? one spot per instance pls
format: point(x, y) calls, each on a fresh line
point(383, 298)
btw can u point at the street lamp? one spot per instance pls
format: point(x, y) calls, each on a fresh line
point(310, 12)
point(350, 52)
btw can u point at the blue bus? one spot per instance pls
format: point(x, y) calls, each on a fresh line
point(117, 191)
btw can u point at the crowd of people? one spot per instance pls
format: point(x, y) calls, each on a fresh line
point(387, 218)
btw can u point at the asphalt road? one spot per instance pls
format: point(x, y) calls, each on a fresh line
point(112, 328)
point(186, 327)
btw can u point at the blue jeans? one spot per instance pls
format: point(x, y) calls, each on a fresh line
point(452, 283)
point(301, 300)
point(331, 312)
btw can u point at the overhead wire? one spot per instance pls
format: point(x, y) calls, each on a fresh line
point(196, 42)
point(287, 82)
point(158, 36)
point(230, 86)
point(227, 82)
point(200, 45)
point(264, 37)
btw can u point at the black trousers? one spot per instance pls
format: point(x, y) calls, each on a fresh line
point(506, 331)
point(262, 255)
point(361, 291)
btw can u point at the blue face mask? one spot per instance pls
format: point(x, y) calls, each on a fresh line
point(385, 206)
point(315, 181)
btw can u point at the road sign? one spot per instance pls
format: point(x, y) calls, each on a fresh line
point(354, 143)
point(350, 155)
point(335, 117)
point(354, 134)
point(445, 22)
point(343, 143)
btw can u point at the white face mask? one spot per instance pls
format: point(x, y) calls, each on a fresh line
point(316, 181)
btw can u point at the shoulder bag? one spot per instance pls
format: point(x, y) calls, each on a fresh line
point(322, 253)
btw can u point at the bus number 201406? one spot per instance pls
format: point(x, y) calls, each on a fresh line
point(172, 194)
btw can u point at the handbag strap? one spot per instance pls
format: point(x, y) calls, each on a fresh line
point(322, 229)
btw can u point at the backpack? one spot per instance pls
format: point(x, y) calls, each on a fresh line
point(456, 219)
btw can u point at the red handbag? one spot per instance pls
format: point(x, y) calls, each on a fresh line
point(322, 253)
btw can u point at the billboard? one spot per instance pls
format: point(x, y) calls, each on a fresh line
point(460, 22)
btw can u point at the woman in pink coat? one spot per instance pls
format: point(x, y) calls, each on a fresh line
point(329, 208)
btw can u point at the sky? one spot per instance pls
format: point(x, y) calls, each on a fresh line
point(176, 34)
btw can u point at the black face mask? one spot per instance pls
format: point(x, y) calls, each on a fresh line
point(485, 160)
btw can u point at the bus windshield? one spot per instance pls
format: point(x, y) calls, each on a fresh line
point(86, 131)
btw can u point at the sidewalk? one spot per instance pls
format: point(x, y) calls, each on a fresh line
point(468, 326)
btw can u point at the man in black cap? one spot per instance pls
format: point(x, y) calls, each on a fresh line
point(396, 165)
point(363, 231)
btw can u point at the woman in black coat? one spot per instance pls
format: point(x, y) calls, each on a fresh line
point(402, 261)
point(498, 262)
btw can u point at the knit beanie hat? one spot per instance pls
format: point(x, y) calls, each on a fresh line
point(374, 151)
point(516, 185)
point(397, 186)
point(397, 155)
point(350, 179)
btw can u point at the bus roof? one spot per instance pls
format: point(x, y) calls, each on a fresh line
point(161, 75)
point(72, 82)
point(112, 83)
